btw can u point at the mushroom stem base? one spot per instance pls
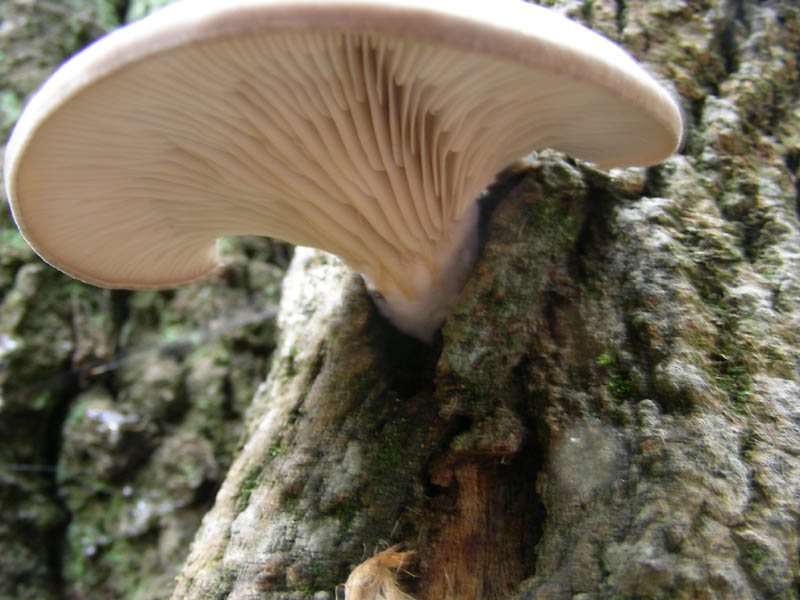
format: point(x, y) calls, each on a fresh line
point(436, 284)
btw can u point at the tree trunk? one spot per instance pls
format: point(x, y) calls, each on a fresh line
point(611, 411)
point(613, 408)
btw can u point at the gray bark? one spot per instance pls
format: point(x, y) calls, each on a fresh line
point(614, 407)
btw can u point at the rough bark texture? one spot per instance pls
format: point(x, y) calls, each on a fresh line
point(612, 411)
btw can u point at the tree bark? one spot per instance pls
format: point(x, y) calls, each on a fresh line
point(613, 408)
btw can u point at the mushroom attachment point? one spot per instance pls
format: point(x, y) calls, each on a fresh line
point(366, 128)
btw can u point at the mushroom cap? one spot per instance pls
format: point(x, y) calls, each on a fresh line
point(364, 128)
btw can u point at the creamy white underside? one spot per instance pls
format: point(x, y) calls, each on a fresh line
point(372, 148)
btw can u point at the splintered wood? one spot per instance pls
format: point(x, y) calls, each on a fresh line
point(376, 578)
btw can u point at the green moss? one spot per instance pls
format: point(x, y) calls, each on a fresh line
point(617, 381)
point(388, 456)
point(619, 385)
point(275, 449)
point(42, 401)
point(85, 543)
point(604, 359)
point(345, 512)
point(731, 373)
point(290, 370)
point(734, 379)
point(754, 553)
point(249, 484)
point(320, 577)
point(553, 224)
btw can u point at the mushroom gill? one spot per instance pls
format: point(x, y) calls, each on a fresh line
point(367, 144)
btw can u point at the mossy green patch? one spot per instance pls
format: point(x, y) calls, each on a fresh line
point(732, 376)
point(604, 359)
point(619, 385)
point(248, 485)
point(617, 382)
point(345, 513)
point(755, 553)
point(388, 456)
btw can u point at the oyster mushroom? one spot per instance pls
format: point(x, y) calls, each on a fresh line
point(366, 128)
